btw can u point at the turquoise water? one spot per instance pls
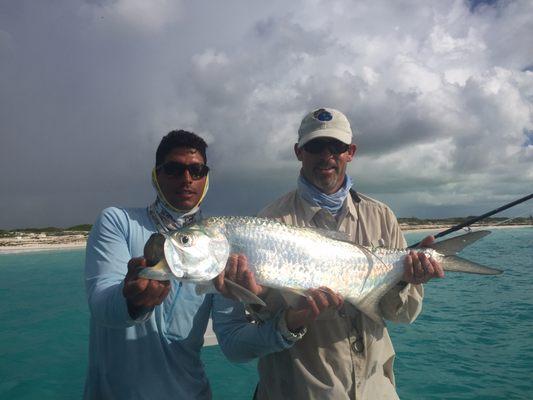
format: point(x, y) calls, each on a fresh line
point(474, 339)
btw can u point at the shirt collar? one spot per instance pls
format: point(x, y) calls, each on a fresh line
point(309, 210)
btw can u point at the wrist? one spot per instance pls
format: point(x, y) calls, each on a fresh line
point(402, 284)
point(288, 331)
point(133, 310)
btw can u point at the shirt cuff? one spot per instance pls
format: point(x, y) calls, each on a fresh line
point(286, 333)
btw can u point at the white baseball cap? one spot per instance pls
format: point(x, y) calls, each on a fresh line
point(324, 122)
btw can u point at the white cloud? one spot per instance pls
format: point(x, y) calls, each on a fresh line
point(149, 16)
point(441, 107)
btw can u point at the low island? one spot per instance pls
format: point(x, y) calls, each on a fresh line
point(52, 238)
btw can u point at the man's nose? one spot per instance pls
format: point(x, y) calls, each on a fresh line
point(187, 176)
point(326, 152)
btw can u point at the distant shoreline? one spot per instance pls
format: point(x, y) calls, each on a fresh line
point(36, 247)
point(33, 243)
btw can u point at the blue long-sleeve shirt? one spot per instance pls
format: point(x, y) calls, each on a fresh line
point(156, 355)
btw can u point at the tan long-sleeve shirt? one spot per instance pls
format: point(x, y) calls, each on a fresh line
point(344, 354)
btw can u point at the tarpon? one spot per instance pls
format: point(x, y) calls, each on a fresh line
point(294, 258)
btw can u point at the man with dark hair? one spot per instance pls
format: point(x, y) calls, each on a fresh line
point(146, 335)
point(179, 138)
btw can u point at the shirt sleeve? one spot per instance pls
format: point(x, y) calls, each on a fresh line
point(241, 340)
point(401, 303)
point(106, 265)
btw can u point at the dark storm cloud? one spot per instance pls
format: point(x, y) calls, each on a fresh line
point(89, 87)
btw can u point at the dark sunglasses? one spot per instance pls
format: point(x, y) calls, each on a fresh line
point(334, 146)
point(176, 169)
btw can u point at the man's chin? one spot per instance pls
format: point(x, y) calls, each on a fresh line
point(183, 205)
point(325, 186)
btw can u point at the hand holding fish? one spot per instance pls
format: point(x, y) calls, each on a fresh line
point(142, 293)
point(237, 270)
point(316, 302)
point(419, 268)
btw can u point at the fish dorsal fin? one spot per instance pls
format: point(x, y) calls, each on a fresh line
point(336, 235)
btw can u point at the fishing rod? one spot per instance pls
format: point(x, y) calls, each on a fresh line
point(476, 219)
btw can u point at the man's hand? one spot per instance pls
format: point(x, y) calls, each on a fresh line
point(317, 301)
point(237, 270)
point(140, 292)
point(419, 268)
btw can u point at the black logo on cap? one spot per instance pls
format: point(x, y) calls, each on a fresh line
point(323, 115)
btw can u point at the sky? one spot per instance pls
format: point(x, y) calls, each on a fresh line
point(439, 95)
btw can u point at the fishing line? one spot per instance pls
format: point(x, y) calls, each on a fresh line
point(476, 219)
point(513, 234)
point(528, 211)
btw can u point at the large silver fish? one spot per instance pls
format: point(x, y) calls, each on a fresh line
point(293, 258)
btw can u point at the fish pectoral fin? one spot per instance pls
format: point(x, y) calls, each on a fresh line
point(292, 297)
point(158, 272)
point(205, 288)
point(243, 294)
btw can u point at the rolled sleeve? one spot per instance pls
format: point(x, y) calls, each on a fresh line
point(402, 304)
point(106, 265)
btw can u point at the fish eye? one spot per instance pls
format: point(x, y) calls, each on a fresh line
point(185, 240)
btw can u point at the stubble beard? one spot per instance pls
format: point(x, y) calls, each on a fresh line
point(326, 184)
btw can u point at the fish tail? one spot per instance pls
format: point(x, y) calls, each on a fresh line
point(451, 262)
point(460, 264)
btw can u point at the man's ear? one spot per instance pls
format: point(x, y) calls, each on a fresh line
point(298, 152)
point(351, 152)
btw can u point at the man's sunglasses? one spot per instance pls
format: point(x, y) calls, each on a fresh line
point(318, 146)
point(176, 169)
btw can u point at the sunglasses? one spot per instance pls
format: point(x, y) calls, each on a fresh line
point(318, 146)
point(176, 169)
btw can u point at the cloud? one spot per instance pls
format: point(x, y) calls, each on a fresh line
point(135, 15)
point(441, 108)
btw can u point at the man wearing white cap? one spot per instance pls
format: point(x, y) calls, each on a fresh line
point(343, 354)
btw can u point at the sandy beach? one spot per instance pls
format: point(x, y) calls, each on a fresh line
point(25, 242)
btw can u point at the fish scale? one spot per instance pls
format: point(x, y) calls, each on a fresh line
point(288, 257)
point(293, 258)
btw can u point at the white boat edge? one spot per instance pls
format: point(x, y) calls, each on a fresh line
point(210, 338)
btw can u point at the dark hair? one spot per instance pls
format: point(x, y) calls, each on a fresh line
point(179, 138)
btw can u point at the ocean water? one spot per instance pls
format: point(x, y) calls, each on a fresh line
point(474, 339)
